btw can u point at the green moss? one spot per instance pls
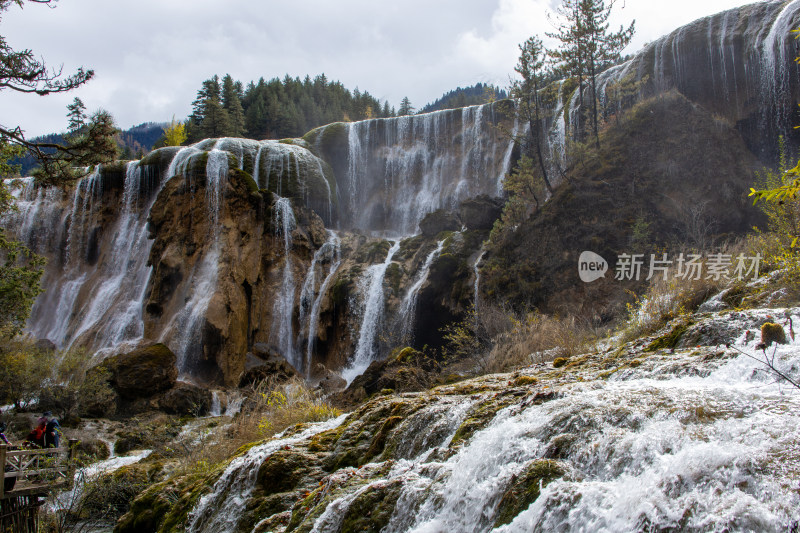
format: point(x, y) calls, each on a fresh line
point(340, 290)
point(772, 333)
point(408, 247)
point(282, 471)
point(393, 276)
point(524, 381)
point(526, 487)
point(560, 361)
point(371, 510)
point(246, 178)
point(479, 417)
point(375, 252)
point(329, 138)
point(669, 340)
point(165, 506)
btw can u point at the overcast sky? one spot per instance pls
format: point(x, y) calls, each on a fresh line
point(150, 56)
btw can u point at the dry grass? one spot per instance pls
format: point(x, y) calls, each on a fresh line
point(268, 409)
point(665, 300)
point(540, 338)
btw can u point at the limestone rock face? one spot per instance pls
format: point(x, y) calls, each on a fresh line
point(142, 373)
point(186, 399)
point(480, 213)
point(439, 221)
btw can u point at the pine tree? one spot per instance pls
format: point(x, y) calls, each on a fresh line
point(569, 57)
point(232, 103)
point(527, 91)
point(76, 113)
point(405, 107)
point(588, 47)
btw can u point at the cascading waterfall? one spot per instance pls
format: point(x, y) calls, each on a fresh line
point(678, 442)
point(190, 320)
point(408, 307)
point(283, 309)
point(309, 303)
point(219, 511)
point(398, 170)
point(371, 288)
point(476, 294)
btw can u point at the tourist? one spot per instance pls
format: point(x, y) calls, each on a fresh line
point(52, 432)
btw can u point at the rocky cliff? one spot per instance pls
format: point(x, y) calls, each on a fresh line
point(307, 245)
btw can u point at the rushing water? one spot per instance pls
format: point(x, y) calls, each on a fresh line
point(283, 309)
point(408, 307)
point(372, 293)
point(678, 443)
point(219, 511)
point(311, 304)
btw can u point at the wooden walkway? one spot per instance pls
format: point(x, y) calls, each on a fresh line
point(28, 476)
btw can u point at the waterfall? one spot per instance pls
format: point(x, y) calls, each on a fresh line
point(283, 309)
point(309, 304)
point(371, 288)
point(476, 290)
point(219, 511)
point(400, 169)
point(189, 322)
point(408, 307)
point(678, 442)
point(216, 405)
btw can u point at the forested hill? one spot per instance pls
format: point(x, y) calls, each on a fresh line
point(133, 143)
point(277, 109)
point(477, 94)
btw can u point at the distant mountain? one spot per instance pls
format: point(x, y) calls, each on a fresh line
point(133, 143)
point(479, 93)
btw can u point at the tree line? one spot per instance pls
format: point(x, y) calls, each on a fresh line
point(276, 108)
point(480, 93)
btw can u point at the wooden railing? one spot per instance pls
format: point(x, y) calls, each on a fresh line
point(37, 470)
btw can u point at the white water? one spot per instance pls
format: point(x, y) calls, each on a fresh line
point(401, 169)
point(283, 308)
point(476, 294)
point(331, 252)
point(678, 443)
point(408, 307)
point(70, 500)
point(371, 289)
point(219, 511)
point(187, 344)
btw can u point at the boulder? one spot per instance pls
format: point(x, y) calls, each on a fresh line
point(186, 399)
point(275, 368)
point(142, 373)
point(46, 345)
point(480, 213)
point(331, 381)
point(439, 221)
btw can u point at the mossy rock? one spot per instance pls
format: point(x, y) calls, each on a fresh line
point(244, 177)
point(375, 252)
point(772, 333)
point(394, 275)
point(371, 510)
point(558, 362)
point(165, 506)
point(282, 471)
point(526, 487)
point(408, 247)
point(479, 417)
point(524, 381)
point(670, 339)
